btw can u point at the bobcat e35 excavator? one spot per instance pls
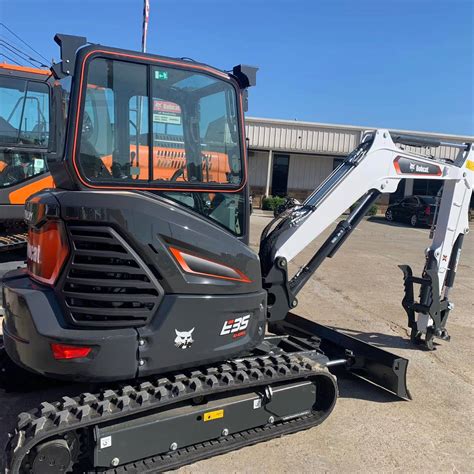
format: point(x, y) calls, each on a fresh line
point(142, 280)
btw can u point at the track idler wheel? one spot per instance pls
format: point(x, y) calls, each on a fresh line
point(56, 456)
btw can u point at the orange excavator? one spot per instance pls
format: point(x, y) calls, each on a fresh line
point(25, 133)
point(32, 116)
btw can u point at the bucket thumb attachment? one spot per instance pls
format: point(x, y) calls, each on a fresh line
point(363, 360)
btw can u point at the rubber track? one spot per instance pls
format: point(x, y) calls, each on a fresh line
point(71, 414)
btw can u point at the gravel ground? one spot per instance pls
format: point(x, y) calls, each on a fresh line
point(359, 291)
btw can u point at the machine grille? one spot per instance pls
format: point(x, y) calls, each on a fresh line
point(107, 284)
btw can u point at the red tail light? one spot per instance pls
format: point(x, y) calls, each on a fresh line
point(427, 210)
point(63, 351)
point(47, 251)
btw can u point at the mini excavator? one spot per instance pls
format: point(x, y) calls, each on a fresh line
point(139, 275)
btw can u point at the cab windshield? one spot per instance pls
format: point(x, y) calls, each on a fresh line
point(24, 129)
point(24, 112)
point(170, 130)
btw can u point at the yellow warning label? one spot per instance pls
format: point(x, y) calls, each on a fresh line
point(470, 165)
point(213, 415)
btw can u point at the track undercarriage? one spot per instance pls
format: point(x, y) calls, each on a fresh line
point(189, 415)
point(12, 240)
point(167, 421)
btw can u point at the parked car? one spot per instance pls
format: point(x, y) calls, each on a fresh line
point(416, 210)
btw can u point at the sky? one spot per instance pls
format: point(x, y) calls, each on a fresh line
point(405, 64)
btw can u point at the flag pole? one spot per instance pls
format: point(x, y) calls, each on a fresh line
point(146, 16)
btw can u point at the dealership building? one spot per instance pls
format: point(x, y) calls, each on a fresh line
point(291, 158)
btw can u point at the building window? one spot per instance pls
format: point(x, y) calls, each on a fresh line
point(426, 187)
point(281, 165)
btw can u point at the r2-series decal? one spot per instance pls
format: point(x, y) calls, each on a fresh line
point(237, 327)
point(407, 166)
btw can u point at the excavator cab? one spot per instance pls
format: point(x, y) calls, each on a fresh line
point(25, 137)
point(167, 127)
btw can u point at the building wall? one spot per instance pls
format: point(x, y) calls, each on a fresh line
point(300, 137)
point(306, 172)
point(313, 147)
point(258, 165)
point(331, 139)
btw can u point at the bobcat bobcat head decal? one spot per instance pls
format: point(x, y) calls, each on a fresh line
point(184, 339)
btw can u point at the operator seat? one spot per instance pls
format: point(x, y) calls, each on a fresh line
point(91, 164)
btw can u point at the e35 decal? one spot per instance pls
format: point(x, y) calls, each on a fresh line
point(237, 327)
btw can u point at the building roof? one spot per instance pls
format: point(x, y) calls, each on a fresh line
point(330, 139)
point(455, 138)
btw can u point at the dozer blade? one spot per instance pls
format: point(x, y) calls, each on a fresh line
point(363, 360)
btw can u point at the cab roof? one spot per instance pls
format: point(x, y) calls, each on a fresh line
point(24, 69)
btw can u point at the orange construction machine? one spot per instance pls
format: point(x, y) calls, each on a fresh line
point(25, 132)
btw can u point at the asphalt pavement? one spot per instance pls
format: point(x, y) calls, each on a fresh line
point(359, 292)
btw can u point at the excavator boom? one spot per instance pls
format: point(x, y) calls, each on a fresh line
point(377, 166)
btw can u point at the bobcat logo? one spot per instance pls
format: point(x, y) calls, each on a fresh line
point(184, 339)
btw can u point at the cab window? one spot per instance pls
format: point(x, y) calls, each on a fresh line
point(111, 132)
point(195, 129)
point(225, 209)
point(172, 130)
point(24, 129)
point(24, 112)
point(192, 127)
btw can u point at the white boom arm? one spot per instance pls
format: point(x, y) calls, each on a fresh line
point(375, 167)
